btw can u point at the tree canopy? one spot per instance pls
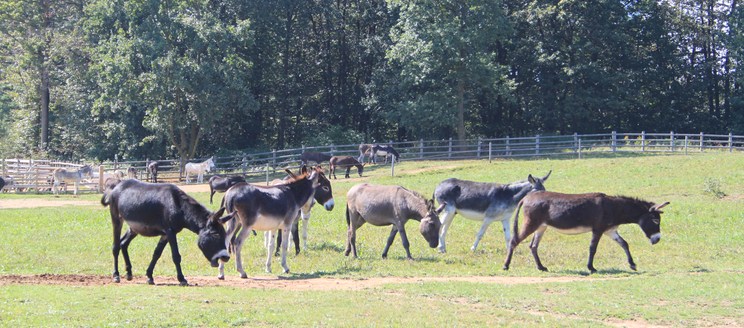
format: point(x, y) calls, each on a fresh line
point(188, 78)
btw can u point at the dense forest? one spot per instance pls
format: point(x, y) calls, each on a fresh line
point(187, 78)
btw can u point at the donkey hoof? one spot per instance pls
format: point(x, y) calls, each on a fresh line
point(633, 267)
point(129, 276)
point(183, 283)
point(150, 281)
point(542, 268)
point(117, 279)
point(243, 275)
point(505, 268)
point(221, 277)
point(286, 270)
point(592, 270)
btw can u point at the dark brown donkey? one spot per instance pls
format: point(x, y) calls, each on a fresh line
point(580, 213)
point(345, 162)
point(389, 205)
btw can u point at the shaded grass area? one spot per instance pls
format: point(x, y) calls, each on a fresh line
point(691, 278)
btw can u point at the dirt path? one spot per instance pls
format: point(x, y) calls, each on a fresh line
point(273, 282)
point(37, 202)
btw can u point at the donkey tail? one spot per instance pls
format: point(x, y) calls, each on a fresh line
point(516, 220)
point(348, 220)
point(105, 199)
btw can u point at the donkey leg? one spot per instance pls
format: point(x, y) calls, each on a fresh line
point(617, 238)
point(285, 246)
point(242, 235)
point(279, 234)
point(404, 239)
point(390, 239)
point(515, 240)
point(269, 240)
point(449, 214)
point(176, 256)
point(593, 250)
point(296, 236)
point(117, 245)
point(535, 244)
point(155, 256)
point(348, 171)
point(486, 222)
point(128, 236)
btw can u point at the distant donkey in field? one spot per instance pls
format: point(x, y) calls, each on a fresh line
point(63, 175)
point(221, 184)
point(308, 156)
point(152, 168)
point(346, 162)
point(199, 169)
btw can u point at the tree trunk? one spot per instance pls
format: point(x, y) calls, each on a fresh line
point(461, 110)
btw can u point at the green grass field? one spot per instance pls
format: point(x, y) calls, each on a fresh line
point(693, 277)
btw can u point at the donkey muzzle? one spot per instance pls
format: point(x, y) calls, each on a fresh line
point(655, 238)
point(329, 205)
point(222, 255)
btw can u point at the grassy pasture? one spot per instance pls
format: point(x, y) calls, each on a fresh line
point(693, 277)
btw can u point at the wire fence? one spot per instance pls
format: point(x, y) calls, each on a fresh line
point(24, 175)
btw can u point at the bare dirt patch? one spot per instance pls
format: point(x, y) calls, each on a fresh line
point(273, 282)
point(36, 202)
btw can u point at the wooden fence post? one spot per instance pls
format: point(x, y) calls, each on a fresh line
point(576, 143)
point(643, 141)
point(701, 142)
point(537, 144)
point(421, 148)
point(392, 167)
point(449, 150)
point(579, 148)
point(671, 140)
point(478, 154)
point(686, 145)
point(508, 147)
point(147, 169)
point(100, 178)
point(731, 142)
point(489, 152)
point(614, 141)
point(267, 173)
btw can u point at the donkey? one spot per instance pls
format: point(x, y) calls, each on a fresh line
point(2, 183)
point(132, 173)
point(345, 162)
point(152, 168)
point(308, 156)
point(580, 213)
point(365, 150)
point(162, 210)
point(62, 175)
point(481, 201)
point(221, 184)
point(323, 194)
point(265, 209)
point(198, 169)
point(389, 205)
point(385, 151)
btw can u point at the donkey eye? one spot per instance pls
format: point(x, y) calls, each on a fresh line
point(325, 188)
point(656, 221)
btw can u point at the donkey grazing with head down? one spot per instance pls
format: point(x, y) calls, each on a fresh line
point(487, 202)
point(221, 184)
point(62, 175)
point(162, 210)
point(389, 205)
point(579, 213)
point(346, 162)
point(266, 209)
point(309, 156)
point(385, 151)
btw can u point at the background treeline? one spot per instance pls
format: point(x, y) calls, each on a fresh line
point(188, 78)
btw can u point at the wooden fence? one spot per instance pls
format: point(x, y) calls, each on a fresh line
point(264, 166)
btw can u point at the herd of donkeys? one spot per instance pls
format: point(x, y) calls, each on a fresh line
point(163, 210)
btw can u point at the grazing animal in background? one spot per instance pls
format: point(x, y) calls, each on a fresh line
point(2, 183)
point(152, 168)
point(481, 201)
point(323, 195)
point(345, 162)
point(199, 169)
point(162, 210)
point(63, 175)
point(265, 209)
point(132, 173)
point(365, 150)
point(579, 213)
point(221, 184)
point(389, 205)
point(385, 151)
point(308, 156)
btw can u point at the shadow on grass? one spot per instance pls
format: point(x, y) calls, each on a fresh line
point(320, 274)
point(586, 273)
point(326, 246)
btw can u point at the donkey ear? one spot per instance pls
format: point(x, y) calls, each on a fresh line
point(218, 214)
point(546, 176)
point(657, 207)
point(303, 169)
point(440, 208)
point(227, 218)
point(531, 179)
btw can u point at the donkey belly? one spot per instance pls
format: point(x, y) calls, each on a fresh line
point(266, 223)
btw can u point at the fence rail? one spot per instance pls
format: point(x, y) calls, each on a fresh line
point(35, 175)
